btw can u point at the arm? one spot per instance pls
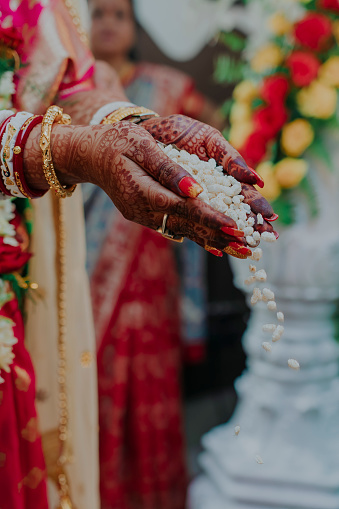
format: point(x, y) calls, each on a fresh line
point(144, 184)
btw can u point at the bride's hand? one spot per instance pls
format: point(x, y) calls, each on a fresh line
point(125, 161)
point(207, 142)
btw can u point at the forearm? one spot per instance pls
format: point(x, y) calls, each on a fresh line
point(73, 153)
point(82, 106)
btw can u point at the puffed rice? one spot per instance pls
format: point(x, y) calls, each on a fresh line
point(269, 327)
point(279, 331)
point(293, 364)
point(260, 275)
point(258, 459)
point(252, 268)
point(268, 237)
point(280, 316)
point(237, 430)
point(256, 254)
point(250, 280)
point(260, 219)
point(256, 296)
point(266, 346)
point(272, 305)
point(267, 295)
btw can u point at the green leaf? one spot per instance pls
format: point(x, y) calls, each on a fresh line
point(284, 207)
point(228, 70)
point(226, 107)
point(306, 185)
point(318, 149)
point(233, 41)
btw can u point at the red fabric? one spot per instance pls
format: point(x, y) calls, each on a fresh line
point(141, 439)
point(22, 468)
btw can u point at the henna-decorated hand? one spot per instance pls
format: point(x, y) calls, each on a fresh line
point(207, 142)
point(125, 161)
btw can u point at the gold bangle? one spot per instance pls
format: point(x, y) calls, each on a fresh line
point(131, 113)
point(53, 114)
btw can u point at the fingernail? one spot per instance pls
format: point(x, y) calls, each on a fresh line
point(232, 231)
point(260, 182)
point(189, 187)
point(276, 234)
point(240, 248)
point(273, 217)
point(214, 251)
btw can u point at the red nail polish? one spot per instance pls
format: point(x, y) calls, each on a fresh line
point(232, 231)
point(214, 251)
point(273, 217)
point(276, 234)
point(240, 248)
point(260, 181)
point(189, 187)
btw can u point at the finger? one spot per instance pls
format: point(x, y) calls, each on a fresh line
point(146, 153)
point(230, 159)
point(264, 227)
point(233, 249)
point(207, 236)
point(256, 201)
point(205, 215)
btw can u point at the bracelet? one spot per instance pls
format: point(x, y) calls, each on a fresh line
point(133, 113)
point(107, 109)
point(53, 114)
point(8, 142)
point(18, 158)
point(4, 193)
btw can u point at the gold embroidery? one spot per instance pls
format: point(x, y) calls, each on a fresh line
point(86, 359)
point(32, 479)
point(23, 380)
point(30, 432)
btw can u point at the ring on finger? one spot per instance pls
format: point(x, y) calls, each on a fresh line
point(165, 232)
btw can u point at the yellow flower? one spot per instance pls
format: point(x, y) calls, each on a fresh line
point(245, 91)
point(271, 189)
point(296, 137)
point(329, 72)
point(239, 133)
point(266, 58)
point(240, 112)
point(335, 28)
point(289, 172)
point(318, 100)
point(279, 24)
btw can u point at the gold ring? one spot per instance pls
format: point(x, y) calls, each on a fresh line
point(166, 233)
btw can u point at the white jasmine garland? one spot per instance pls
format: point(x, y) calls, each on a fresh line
point(7, 340)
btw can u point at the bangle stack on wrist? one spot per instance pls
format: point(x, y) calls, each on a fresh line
point(18, 158)
point(53, 114)
point(14, 132)
point(115, 112)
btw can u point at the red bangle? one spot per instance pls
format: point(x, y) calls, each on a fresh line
point(18, 159)
point(3, 126)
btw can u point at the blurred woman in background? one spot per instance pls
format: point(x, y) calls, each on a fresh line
point(138, 328)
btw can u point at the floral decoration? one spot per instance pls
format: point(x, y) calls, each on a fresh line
point(288, 96)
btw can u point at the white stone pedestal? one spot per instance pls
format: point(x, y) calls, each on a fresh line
point(290, 418)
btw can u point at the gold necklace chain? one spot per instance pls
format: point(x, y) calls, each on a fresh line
point(64, 494)
point(77, 21)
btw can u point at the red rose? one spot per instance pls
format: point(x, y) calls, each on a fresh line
point(254, 149)
point(304, 68)
point(12, 258)
point(330, 5)
point(313, 31)
point(268, 120)
point(274, 89)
